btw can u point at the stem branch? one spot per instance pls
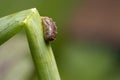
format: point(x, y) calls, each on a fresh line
point(41, 51)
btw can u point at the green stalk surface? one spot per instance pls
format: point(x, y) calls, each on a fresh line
point(41, 51)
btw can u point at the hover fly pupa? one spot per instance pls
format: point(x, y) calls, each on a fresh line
point(50, 29)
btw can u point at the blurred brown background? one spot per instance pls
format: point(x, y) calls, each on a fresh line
point(98, 20)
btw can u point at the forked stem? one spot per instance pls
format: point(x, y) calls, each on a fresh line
point(41, 51)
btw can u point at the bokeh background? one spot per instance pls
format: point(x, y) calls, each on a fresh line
point(87, 46)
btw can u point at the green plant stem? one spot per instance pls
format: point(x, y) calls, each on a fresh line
point(41, 51)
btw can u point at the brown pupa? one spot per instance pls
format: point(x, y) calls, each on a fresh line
point(50, 29)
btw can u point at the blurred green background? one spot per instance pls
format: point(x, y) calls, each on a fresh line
point(81, 50)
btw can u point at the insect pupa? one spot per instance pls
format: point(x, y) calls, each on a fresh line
point(50, 29)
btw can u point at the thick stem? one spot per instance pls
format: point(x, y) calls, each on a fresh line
point(41, 51)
